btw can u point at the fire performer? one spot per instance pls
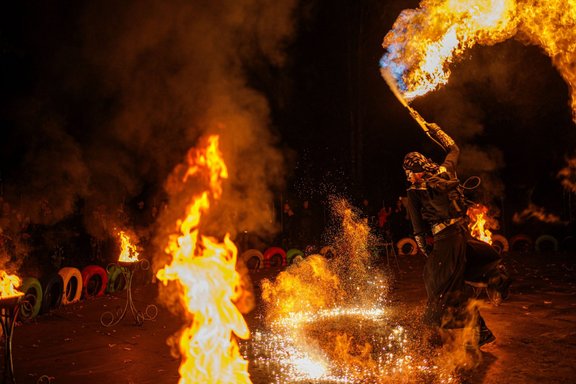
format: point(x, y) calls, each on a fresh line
point(437, 206)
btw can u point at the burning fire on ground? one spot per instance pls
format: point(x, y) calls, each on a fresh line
point(330, 321)
point(204, 270)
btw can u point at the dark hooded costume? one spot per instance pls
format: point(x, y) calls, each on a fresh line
point(437, 207)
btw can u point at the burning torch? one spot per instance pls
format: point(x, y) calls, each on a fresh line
point(415, 115)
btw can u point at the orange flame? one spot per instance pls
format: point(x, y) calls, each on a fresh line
point(205, 270)
point(8, 285)
point(479, 223)
point(128, 251)
point(423, 42)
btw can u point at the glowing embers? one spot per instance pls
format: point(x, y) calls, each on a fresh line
point(342, 345)
point(9, 285)
point(328, 321)
point(207, 281)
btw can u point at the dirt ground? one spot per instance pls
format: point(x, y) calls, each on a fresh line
point(535, 330)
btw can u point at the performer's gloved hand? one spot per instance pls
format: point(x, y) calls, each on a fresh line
point(433, 127)
point(421, 242)
point(438, 134)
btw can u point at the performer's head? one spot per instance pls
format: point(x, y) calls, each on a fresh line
point(416, 165)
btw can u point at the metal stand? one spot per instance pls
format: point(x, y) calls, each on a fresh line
point(390, 250)
point(109, 318)
point(9, 309)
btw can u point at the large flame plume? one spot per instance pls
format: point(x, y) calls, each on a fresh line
point(424, 42)
point(205, 271)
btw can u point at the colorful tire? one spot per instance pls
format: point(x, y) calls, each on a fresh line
point(253, 259)
point(546, 239)
point(407, 246)
point(33, 295)
point(94, 281)
point(116, 279)
point(328, 252)
point(53, 290)
point(521, 243)
point(292, 253)
point(72, 285)
point(274, 257)
point(500, 243)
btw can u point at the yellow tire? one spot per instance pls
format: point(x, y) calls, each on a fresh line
point(253, 259)
point(72, 279)
point(407, 246)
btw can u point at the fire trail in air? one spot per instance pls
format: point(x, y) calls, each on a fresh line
point(205, 270)
point(425, 41)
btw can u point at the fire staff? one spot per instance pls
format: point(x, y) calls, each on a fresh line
point(437, 207)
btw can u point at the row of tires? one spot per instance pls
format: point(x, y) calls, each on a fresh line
point(278, 257)
point(517, 243)
point(68, 286)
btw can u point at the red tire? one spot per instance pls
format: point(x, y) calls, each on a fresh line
point(521, 243)
point(274, 257)
point(94, 281)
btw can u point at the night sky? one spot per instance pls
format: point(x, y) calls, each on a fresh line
point(101, 100)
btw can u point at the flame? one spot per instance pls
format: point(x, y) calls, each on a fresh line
point(128, 251)
point(423, 42)
point(479, 223)
point(536, 213)
point(8, 285)
point(205, 270)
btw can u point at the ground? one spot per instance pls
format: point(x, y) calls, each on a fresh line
point(535, 330)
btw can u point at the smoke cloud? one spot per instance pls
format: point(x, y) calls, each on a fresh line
point(133, 86)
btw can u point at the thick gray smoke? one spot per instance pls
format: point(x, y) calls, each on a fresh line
point(144, 80)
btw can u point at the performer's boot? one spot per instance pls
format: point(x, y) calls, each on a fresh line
point(486, 336)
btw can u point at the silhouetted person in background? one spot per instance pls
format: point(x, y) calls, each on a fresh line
point(306, 226)
point(288, 225)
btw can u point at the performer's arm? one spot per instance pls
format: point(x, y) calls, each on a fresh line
point(418, 223)
point(449, 145)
